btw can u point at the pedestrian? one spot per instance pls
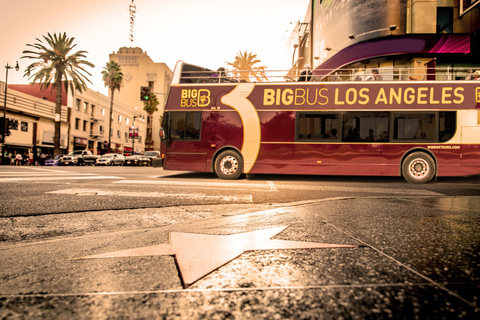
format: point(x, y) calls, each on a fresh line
point(30, 158)
point(42, 159)
point(18, 159)
point(25, 158)
point(11, 159)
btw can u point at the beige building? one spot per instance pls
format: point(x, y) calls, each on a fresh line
point(89, 124)
point(139, 70)
point(32, 123)
point(84, 121)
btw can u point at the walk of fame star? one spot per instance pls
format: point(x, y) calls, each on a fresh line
point(197, 255)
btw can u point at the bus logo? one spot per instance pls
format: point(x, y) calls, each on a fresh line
point(477, 95)
point(194, 98)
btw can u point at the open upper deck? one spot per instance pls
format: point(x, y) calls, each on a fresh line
point(188, 73)
point(205, 89)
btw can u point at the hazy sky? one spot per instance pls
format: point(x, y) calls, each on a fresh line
point(202, 32)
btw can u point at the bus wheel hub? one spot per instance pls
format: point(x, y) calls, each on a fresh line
point(229, 165)
point(419, 168)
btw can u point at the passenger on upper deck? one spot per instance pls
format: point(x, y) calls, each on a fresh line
point(374, 76)
point(306, 74)
point(220, 76)
point(477, 75)
point(469, 75)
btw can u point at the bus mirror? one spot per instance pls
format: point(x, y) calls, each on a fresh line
point(163, 137)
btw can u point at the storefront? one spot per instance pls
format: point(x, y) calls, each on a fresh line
point(79, 143)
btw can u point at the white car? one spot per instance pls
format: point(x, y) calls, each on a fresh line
point(110, 159)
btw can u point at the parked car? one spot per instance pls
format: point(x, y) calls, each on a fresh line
point(152, 155)
point(136, 160)
point(55, 161)
point(110, 159)
point(79, 157)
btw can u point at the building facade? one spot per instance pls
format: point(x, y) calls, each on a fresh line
point(31, 122)
point(404, 39)
point(140, 70)
point(84, 122)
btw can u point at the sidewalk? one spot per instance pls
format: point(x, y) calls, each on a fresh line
point(413, 258)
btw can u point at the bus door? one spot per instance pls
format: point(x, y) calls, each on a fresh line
point(182, 142)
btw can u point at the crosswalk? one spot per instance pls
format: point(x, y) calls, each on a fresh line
point(46, 174)
point(39, 174)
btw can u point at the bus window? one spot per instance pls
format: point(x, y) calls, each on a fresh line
point(185, 125)
point(368, 126)
point(414, 126)
point(448, 125)
point(318, 127)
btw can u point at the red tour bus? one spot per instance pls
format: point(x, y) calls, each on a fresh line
point(415, 129)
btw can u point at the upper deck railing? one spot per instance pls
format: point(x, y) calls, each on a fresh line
point(360, 74)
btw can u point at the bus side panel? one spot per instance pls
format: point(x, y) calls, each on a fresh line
point(220, 129)
point(471, 159)
point(323, 159)
point(185, 155)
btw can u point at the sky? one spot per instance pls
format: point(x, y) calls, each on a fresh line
point(207, 33)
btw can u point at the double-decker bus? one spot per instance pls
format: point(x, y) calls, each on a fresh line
point(415, 129)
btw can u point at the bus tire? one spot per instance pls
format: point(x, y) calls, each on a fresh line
point(229, 165)
point(418, 167)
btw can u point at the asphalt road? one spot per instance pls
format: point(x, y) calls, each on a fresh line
point(141, 243)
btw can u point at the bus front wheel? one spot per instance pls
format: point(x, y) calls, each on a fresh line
point(418, 167)
point(229, 165)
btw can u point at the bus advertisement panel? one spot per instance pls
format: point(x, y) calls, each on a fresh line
point(416, 129)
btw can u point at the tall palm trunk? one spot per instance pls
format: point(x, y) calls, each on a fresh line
point(58, 115)
point(112, 91)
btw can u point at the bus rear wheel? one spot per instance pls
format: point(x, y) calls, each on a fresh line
point(229, 165)
point(418, 167)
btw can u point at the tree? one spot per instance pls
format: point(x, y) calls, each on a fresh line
point(243, 67)
point(112, 77)
point(56, 64)
point(150, 106)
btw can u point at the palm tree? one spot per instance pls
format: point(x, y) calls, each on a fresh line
point(56, 65)
point(112, 76)
point(243, 67)
point(150, 106)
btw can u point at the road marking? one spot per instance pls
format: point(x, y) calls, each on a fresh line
point(58, 178)
point(197, 196)
point(197, 183)
point(270, 186)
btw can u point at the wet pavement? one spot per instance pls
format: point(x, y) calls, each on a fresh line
point(414, 258)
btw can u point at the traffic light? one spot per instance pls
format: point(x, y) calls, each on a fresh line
point(2, 127)
point(144, 93)
point(4, 121)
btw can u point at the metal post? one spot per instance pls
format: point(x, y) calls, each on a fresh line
point(7, 67)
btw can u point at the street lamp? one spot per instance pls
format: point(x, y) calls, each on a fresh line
point(7, 67)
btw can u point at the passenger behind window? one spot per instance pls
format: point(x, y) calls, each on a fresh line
point(384, 136)
point(370, 137)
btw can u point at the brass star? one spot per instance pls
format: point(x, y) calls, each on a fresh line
point(197, 255)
